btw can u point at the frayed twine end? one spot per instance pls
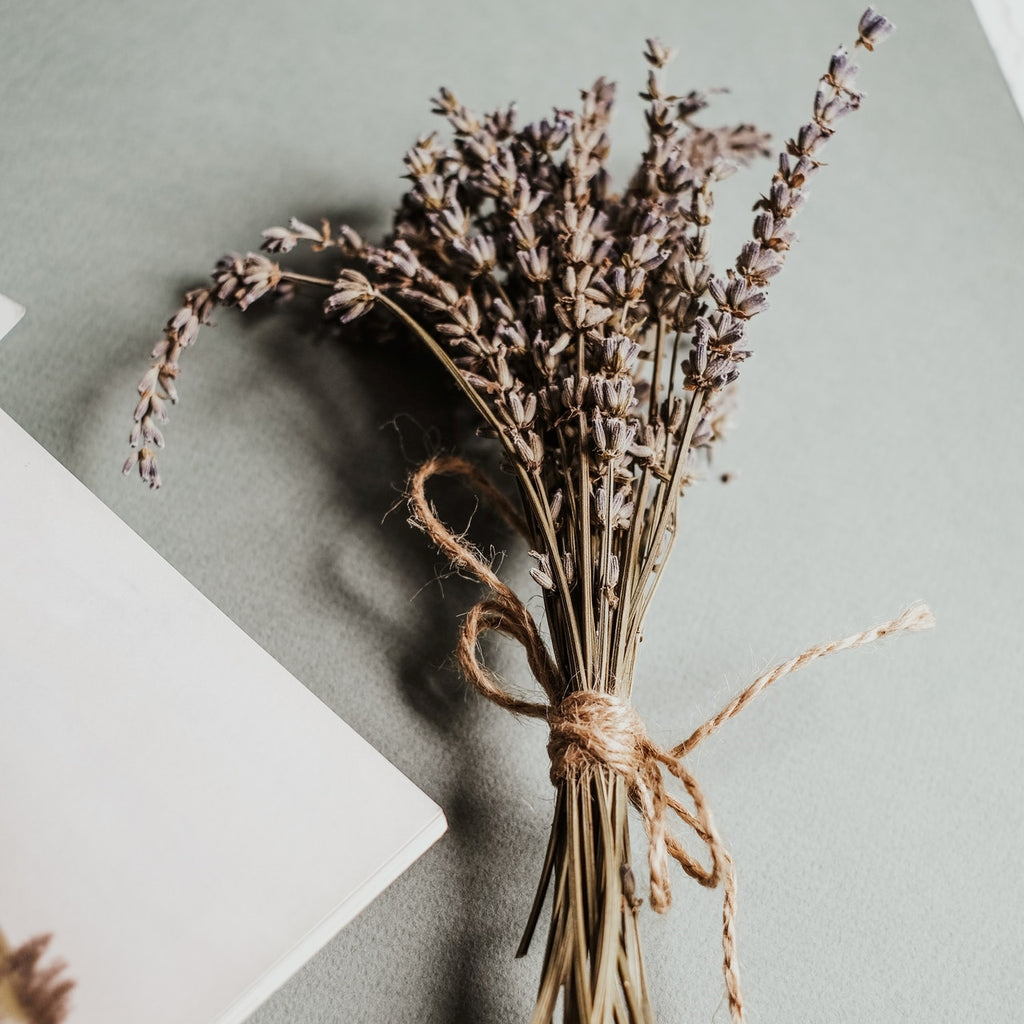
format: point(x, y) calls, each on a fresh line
point(916, 618)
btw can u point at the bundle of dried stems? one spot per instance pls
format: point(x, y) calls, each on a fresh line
point(599, 348)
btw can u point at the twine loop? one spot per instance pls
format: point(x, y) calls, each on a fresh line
point(589, 729)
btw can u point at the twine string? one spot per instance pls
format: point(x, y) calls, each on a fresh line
point(588, 728)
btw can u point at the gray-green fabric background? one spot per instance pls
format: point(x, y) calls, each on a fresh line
point(873, 803)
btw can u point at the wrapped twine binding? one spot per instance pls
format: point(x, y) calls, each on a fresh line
point(591, 729)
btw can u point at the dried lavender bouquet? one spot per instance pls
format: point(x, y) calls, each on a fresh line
point(599, 348)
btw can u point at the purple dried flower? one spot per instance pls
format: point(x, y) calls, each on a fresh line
point(542, 573)
point(873, 29)
point(657, 54)
point(841, 72)
point(353, 296)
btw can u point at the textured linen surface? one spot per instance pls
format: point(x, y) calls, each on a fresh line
point(872, 803)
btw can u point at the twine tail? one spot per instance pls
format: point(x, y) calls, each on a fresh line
point(914, 619)
point(730, 966)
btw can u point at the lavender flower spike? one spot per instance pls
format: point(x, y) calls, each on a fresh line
point(874, 28)
point(353, 296)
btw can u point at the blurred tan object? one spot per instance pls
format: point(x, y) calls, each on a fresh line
point(30, 992)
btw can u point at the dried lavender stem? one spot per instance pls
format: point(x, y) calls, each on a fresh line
point(632, 562)
point(585, 557)
point(652, 412)
point(674, 363)
point(289, 275)
point(548, 532)
point(606, 675)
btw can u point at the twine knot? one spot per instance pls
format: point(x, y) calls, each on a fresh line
point(589, 727)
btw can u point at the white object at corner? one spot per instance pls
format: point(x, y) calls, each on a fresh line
point(10, 314)
point(186, 818)
point(1003, 22)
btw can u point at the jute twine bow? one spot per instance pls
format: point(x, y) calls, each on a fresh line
point(589, 728)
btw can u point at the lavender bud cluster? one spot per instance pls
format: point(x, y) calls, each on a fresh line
point(588, 326)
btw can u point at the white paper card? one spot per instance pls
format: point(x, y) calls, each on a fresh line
point(1003, 22)
point(10, 314)
point(185, 817)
